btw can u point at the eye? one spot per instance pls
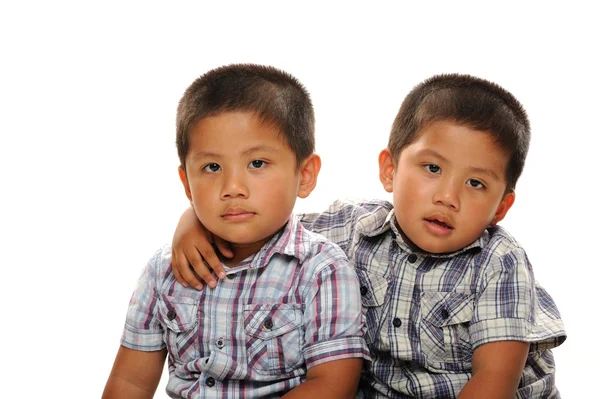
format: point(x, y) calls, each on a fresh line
point(433, 168)
point(257, 164)
point(475, 183)
point(212, 168)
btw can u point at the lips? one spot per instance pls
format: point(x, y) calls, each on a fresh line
point(235, 211)
point(237, 215)
point(440, 221)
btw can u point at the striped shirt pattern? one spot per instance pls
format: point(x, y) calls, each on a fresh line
point(427, 313)
point(295, 304)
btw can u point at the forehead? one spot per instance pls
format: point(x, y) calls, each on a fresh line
point(234, 128)
point(235, 134)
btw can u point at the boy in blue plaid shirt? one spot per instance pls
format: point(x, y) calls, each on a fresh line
point(286, 320)
point(452, 305)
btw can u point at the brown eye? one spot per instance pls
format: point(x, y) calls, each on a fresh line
point(212, 167)
point(257, 164)
point(475, 183)
point(433, 168)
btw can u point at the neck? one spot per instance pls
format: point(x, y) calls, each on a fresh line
point(243, 251)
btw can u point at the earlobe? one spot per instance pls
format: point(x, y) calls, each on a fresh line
point(309, 171)
point(186, 184)
point(506, 203)
point(386, 170)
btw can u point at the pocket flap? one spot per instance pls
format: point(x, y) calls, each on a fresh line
point(446, 308)
point(373, 288)
point(266, 321)
point(178, 313)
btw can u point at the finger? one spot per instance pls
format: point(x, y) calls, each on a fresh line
point(203, 271)
point(213, 261)
point(175, 268)
point(183, 267)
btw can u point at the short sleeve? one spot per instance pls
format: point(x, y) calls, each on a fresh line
point(142, 329)
point(510, 305)
point(333, 320)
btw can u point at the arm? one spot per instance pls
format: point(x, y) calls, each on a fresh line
point(135, 374)
point(192, 248)
point(497, 369)
point(323, 381)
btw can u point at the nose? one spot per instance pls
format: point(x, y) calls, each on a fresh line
point(447, 193)
point(234, 185)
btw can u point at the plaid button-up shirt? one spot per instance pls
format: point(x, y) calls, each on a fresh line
point(426, 313)
point(295, 304)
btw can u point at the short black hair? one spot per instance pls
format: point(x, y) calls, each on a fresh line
point(469, 101)
point(274, 95)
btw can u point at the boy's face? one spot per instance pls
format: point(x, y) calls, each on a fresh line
point(242, 178)
point(448, 186)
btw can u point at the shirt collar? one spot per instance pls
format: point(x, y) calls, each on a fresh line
point(287, 241)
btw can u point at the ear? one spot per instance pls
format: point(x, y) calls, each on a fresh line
point(309, 171)
point(506, 203)
point(186, 184)
point(386, 170)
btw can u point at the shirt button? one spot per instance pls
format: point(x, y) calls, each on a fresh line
point(230, 276)
point(220, 343)
point(210, 382)
point(397, 322)
point(363, 290)
point(268, 323)
point(412, 258)
point(444, 313)
point(171, 314)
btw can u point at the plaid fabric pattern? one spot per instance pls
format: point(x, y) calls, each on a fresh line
point(293, 305)
point(426, 314)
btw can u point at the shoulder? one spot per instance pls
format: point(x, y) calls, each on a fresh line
point(362, 208)
point(501, 242)
point(316, 247)
point(344, 210)
point(158, 267)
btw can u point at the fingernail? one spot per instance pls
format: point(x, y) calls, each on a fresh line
point(199, 287)
point(212, 284)
point(222, 275)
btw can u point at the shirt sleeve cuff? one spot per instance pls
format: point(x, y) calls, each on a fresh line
point(336, 349)
point(142, 340)
point(502, 329)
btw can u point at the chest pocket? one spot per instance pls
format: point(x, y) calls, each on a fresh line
point(373, 289)
point(274, 337)
point(444, 330)
point(179, 318)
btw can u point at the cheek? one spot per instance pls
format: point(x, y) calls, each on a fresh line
point(408, 192)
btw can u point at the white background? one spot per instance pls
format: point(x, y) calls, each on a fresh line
point(89, 185)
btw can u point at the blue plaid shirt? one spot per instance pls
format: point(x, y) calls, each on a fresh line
point(295, 304)
point(427, 313)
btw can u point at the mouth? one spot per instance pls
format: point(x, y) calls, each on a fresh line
point(439, 222)
point(237, 215)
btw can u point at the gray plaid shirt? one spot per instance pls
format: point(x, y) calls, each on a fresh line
point(426, 313)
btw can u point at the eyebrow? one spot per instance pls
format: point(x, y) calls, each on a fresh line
point(475, 169)
point(206, 154)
